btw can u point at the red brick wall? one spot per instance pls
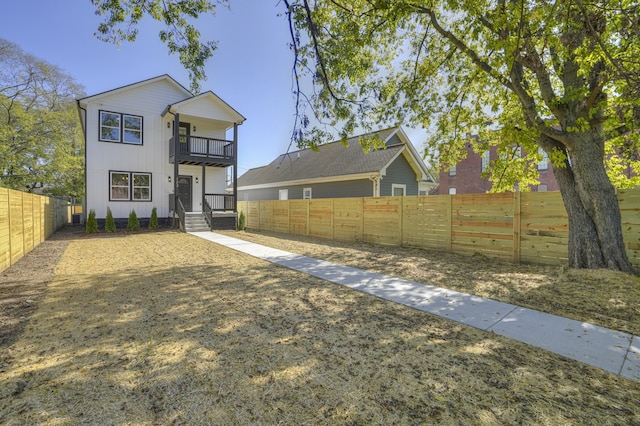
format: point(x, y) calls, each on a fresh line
point(468, 178)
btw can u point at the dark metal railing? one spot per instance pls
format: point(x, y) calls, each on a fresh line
point(220, 202)
point(180, 210)
point(208, 213)
point(204, 147)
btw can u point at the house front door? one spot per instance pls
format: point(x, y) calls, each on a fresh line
point(185, 192)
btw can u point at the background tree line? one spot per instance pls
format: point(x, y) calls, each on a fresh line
point(41, 141)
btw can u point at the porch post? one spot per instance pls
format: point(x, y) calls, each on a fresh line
point(235, 168)
point(176, 142)
point(204, 174)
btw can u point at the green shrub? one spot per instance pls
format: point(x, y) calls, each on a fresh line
point(133, 224)
point(109, 223)
point(153, 220)
point(242, 222)
point(92, 223)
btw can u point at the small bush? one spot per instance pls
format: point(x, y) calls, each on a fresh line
point(153, 220)
point(109, 223)
point(133, 224)
point(242, 222)
point(92, 223)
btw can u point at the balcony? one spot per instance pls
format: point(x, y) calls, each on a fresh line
point(207, 151)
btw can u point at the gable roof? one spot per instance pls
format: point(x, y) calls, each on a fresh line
point(335, 161)
point(165, 77)
point(208, 96)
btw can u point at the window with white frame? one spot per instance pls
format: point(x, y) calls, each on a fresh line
point(398, 190)
point(452, 171)
point(452, 191)
point(544, 163)
point(486, 157)
point(306, 193)
point(542, 187)
point(129, 186)
point(121, 128)
point(283, 194)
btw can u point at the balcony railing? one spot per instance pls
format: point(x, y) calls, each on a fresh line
point(220, 202)
point(196, 147)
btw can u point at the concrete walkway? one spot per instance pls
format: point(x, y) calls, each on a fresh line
point(610, 350)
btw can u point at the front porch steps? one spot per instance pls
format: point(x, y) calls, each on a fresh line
point(195, 222)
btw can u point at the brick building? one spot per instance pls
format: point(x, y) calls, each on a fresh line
point(466, 176)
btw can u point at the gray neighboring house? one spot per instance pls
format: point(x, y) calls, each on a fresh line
point(337, 170)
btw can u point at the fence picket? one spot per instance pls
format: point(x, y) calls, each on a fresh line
point(521, 227)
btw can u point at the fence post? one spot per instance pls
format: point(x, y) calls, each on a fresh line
point(333, 213)
point(308, 207)
point(401, 218)
point(449, 213)
point(516, 226)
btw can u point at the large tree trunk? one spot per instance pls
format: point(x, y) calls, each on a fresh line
point(595, 229)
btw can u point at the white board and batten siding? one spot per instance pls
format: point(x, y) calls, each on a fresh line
point(148, 100)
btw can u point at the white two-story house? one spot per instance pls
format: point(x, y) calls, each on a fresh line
point(155, 144)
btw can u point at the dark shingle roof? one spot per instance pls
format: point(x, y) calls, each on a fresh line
point(332, 159)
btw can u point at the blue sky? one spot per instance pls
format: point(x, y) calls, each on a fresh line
point(251, 70)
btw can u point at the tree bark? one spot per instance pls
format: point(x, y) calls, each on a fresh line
point(595, 228)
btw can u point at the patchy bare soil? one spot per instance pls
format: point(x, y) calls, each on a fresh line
point(166, 328)
point(607, 298)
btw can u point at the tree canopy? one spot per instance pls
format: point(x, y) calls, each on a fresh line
point(41, 139)
point(179, 33)
point(510, 72)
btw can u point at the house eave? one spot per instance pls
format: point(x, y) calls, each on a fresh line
point(328, 179)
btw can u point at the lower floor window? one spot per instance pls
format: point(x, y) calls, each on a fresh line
point(306, 193)
point(398, 190)
point(130, 186)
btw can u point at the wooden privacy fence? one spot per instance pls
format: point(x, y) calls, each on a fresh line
point(26, 220)
point(521, 227)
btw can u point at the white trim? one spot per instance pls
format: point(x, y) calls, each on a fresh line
point(416, 157)
point(376, 185)
point(283, 194)
point(174, 107)
point(398, 186)
point(304, 193)
point(383, 171)
point(358, 176)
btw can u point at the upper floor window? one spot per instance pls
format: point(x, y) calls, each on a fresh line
point(544, 163)
point(452, 171)
point(486, 157)
point(123, 128)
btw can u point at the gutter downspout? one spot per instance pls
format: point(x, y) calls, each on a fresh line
point(176, 136)
point(376, 184)
point(235, 169)
point(83, 121)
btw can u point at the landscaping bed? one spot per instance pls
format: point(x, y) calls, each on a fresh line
point(167, 328)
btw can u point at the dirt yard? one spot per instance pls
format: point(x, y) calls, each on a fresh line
point(166, 328)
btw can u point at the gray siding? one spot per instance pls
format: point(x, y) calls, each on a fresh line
point(394, 140)
point(399, 172)
point(352, 188)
